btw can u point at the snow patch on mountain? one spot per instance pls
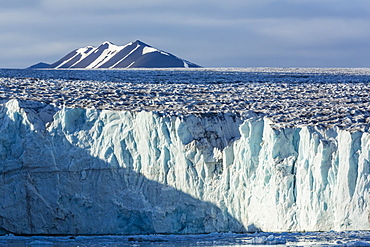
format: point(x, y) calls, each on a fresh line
point(121, 60)
point(81, 52)
point(147, 49)
point(106, 55)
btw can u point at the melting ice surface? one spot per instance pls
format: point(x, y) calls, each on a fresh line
point(185, 152)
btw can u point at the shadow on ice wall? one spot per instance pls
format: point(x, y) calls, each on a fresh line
point(50, 186)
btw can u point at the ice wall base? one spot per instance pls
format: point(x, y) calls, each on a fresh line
point(110, 172)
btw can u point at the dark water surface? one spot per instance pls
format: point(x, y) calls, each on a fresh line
point(357, 238)
point(204, 76)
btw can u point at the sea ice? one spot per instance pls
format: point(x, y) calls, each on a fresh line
point(327, 100)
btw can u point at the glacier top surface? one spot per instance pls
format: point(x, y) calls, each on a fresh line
point(289, 96)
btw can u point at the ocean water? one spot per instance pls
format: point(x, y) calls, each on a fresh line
point(358, 238)
point(201, 75)
point(209, 77)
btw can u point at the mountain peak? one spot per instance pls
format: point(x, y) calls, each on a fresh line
point(40, 65)
point(135, 54)
point(107, 43)
point(139, 42)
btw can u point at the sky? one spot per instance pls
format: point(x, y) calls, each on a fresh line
point(211, 33)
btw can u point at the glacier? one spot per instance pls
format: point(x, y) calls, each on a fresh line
point(90, 171)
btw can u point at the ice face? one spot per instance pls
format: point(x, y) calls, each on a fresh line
point(118, 172)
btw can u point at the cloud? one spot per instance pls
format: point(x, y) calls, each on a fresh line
point(19, 4)
point(208, 32)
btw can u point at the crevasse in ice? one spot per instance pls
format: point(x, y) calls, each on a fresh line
point(93, 171)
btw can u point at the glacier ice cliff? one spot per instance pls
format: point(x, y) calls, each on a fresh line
point(88, 171)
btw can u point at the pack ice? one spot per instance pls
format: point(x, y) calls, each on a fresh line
point(88, 171)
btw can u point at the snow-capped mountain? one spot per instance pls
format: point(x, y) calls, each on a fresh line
point(108, 55)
